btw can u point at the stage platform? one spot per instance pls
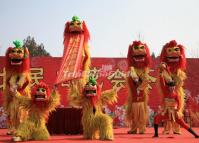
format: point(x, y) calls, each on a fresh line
point(121, 136)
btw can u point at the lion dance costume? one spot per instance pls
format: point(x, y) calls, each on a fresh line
point(171, 80)
point(17, 77)
point(76, 59)
point(95, 123)
point(139, 60)
point(39, 105)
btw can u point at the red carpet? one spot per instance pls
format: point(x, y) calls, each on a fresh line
point(120, 137)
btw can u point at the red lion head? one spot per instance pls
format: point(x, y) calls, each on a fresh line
point(17, 59)
point(173, 54)
point(139, 55)
point(92, 90)
point(76, 27)
point(40, 92)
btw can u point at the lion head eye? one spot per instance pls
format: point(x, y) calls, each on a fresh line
point(169, 50)
point(142, 47)
point(71, 23)
point(13, 51)
point(19, 51)
point(41, 90)
point(136, 47)
point(177, 49)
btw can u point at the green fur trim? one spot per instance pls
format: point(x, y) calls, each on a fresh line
point(25, 56)
point(17, 43)
point(75, 18)
point(92, 80)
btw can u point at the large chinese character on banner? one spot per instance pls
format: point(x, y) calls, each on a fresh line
point(36, 75)
point(117, 79)
point(3, 77)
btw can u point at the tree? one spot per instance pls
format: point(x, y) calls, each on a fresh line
point(153, 55)
point(34, 48)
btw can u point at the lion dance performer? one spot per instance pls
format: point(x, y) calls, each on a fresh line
point(17, 77)
point(171, 78)
point(76, 58)
point(139, 61)
point(96, 124)
point(39, 105)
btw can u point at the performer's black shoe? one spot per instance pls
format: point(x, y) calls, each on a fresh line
point(132, 132)
point(141, 133)
point(156, 131)
point(193, 133)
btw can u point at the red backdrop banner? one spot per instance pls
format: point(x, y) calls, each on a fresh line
point(110, 72)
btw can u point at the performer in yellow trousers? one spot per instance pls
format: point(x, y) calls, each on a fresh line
point(41, 103)
point(139, 60)
point(17, 77)
point(96, 124)
point(171, 80)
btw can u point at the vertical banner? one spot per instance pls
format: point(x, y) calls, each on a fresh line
point(71, 61)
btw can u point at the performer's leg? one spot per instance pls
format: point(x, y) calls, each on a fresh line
point(142, 128)
point(181, 122)
point(157, 120)
point(12, 118)
point(142, 121)
point(137, 111)
point(104, 122)
point(133, 129)
point(10, 126)
point(87, 131)
point(87, 123)
point(17, 116)
point(167, 127)
point(40, 133)
point(176, 128)
point(24, 131)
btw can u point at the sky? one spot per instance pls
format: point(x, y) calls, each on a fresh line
point(113, 24)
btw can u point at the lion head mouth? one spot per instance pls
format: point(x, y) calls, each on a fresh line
point(16, 61)
point(76, 29)
point(173, 59)
point(90, 91)
point(40, 97)
point(16, 56)
point(173, 54)
point(139, 58)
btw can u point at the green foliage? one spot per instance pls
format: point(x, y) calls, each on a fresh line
point(153, 55)
point(34, 48)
